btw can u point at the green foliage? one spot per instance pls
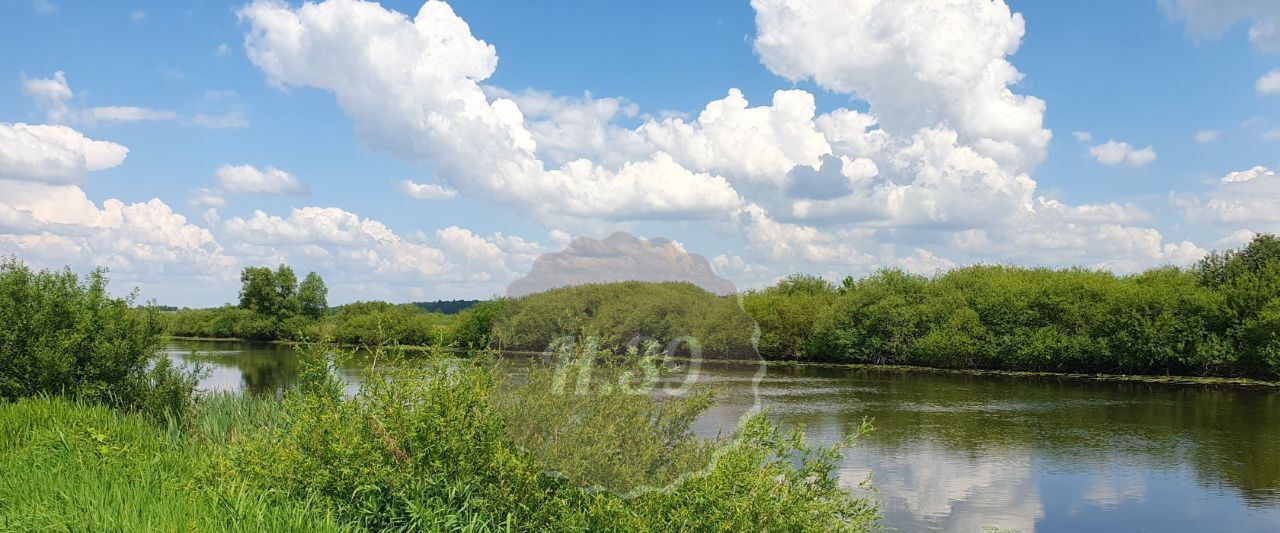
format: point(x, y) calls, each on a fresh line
point(276, 294)
point(374, 323)
point(474, 325)
point(429, 447)
point(68, 466)
point(620, 313)
point(577, 415)
point(313, 296)
point(258, 290)
point(448, 307)
point(789, 314)
point(64, 335)
point(1219, 318)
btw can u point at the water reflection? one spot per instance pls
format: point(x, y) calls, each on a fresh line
point(955, 452)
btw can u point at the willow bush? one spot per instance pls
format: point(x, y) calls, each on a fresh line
point(66, 335)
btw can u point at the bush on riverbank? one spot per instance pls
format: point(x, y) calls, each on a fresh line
point(63, 335)
point(1219, 318)
point(429, 447)
point(618, 313)
point(360, 323)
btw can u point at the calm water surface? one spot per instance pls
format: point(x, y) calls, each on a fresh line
point(963, 453)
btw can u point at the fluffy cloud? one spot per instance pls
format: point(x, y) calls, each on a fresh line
point(918, 63)
point(53, 154)
point(426, 191)
point(50, 95)
point(1112, 153)
point(936, 171)
point(247, 179)
point(1243, 200)
point(1083, 136)
point(62, 226)
point(1268, 84)
point(412, 87)
point(205, 197)
point(1212, 18)
point(360, 255)
point(1248, 175)
point(759, 144)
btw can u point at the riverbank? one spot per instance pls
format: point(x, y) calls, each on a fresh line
point(967, 437)
point(1136, 378)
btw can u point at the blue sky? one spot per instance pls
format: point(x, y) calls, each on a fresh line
point(1146, 73)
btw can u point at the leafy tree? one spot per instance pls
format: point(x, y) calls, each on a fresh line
point(271, 294)
point(313, 296)
point(286, 284)
point(258, 290)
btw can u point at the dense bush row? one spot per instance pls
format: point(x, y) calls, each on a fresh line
point(621, 313)
point(1220, 317)
point(360, 323)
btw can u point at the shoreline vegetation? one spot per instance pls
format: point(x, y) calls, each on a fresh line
point(447, 443)
point(1140, 378)
point(100, 431)
point(1219, 318)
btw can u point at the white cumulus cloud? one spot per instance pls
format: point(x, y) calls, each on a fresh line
point(1112, 153)
point(53, 154)
point(918, 63)
point(247, 179)
point(412, 87)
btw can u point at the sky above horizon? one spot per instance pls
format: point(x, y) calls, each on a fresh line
point(409, 151)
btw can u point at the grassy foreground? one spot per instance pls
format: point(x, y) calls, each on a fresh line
point(74, 466)
point(439, 445)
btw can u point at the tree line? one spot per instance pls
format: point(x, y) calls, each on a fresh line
point(1219, 317)
point(274, 305)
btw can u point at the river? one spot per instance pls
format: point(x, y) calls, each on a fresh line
point(960, 452)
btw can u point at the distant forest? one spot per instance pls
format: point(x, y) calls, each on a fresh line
point(447, 307)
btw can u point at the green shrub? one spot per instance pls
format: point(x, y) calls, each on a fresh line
point(429, 447)
point(619, 313)
point(474, 325)
point(64, 335)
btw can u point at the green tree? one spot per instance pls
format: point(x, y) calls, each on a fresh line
point(286, 285)
point(313, 296)
point(258, 290)
point(271, 294)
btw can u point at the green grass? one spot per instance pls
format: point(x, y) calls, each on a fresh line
point(67, 466)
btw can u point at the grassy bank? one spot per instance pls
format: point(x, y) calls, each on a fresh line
point(77, 466)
